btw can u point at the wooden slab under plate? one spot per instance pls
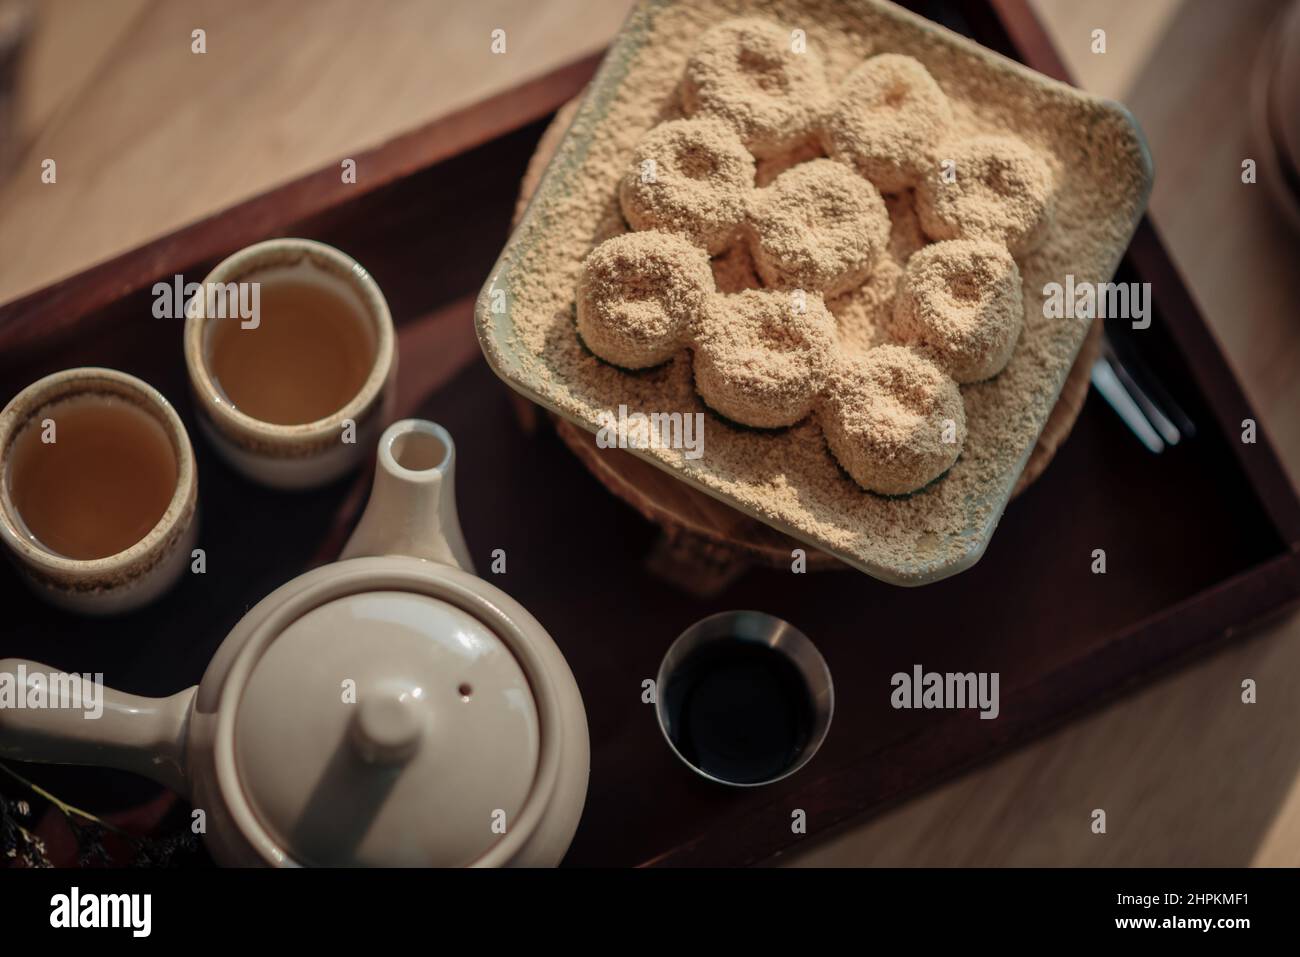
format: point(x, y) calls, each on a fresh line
point(1185, 572)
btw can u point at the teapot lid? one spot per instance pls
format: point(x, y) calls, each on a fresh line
point(386, 728)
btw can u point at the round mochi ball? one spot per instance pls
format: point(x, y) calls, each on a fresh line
point(819, 227)
point(886, 120)
point(638, 294)
point(960, 301)
point(893, 419)
point(746, 72)
point(761, 356)
point(1001, 190)
point(690, 177)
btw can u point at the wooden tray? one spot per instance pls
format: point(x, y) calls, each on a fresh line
point(1185, 572)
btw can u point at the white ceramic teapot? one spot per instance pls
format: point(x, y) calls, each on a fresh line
point(389, 709)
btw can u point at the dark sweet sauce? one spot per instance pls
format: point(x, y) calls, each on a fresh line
point(739, 711)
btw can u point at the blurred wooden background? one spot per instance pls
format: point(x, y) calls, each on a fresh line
point(148, 137)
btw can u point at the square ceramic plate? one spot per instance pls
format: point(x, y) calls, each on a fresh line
point(788, 479)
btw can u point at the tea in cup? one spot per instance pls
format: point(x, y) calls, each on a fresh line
point(291, 354)
point(98, 490)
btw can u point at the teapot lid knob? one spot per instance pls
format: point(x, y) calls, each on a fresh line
point(387, 727)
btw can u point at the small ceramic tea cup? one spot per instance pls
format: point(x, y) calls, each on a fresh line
point(138, 573)
point(301, 454)
point(744, 698)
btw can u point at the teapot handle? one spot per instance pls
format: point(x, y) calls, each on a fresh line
point(104, 727)
point(412, 508)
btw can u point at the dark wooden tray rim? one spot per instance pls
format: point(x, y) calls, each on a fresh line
point(688, 828)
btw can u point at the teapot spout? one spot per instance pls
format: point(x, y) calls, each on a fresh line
point(412, 507)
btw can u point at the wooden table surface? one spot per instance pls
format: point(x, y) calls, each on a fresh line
point(149, 136)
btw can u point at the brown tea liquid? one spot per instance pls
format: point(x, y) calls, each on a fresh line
point(102, 484)
point(309, 355)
